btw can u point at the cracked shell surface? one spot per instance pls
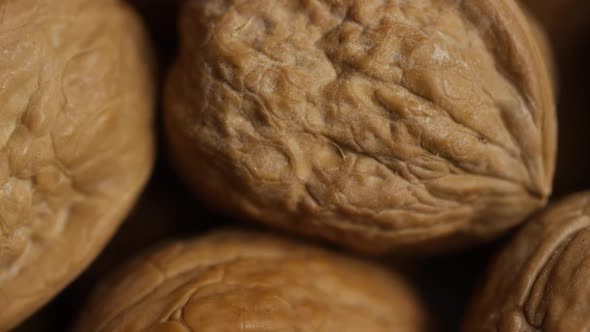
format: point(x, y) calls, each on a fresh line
point(235, 280)
point(76, 143)
point(379, 124)
point(541, 280)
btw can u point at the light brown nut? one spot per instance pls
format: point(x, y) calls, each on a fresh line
point(235, 280)
point(76, 143)
point(380, 124)
point(541, 280)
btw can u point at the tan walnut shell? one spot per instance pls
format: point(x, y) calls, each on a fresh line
point(541, 280)
point(76, 143)
point(379, 124)
point(234, 280)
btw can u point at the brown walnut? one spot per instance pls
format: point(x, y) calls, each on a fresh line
point(76, 143)
point(379, 124)
point(240, 281)
point(541, 280)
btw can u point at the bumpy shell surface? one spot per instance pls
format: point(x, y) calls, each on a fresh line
point(380, 124)
point(76, 143)
point(541, 280)
point(238, 281)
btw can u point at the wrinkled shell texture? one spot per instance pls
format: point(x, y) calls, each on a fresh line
point(238, 281)
point(380, 124)
point(75, 139)
point(541, 280)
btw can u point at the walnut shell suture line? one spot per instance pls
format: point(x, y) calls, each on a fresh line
point(541, 280)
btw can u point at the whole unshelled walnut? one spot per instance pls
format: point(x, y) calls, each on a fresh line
point(235, 280)
point(380, 124)
point(76, 143)
point(541, 280)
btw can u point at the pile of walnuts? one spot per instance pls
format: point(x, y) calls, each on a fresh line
point(325, 148)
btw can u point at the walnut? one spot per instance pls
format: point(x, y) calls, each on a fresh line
point(235, 280)
point(380, 124)
point(76, 144)
point(541, 280)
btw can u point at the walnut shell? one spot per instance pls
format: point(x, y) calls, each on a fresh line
point(379, 124)
point(241, 281)
point(76, 144)
point(541, 280)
